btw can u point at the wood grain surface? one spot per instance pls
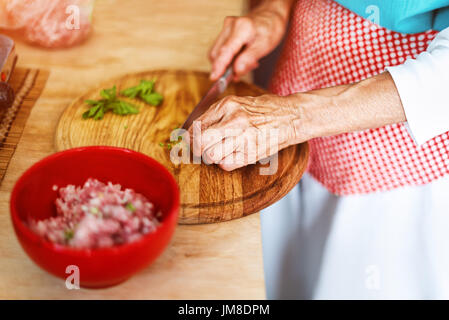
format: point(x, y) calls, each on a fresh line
point(27, 85)
point(208, 193)
point(209, 261)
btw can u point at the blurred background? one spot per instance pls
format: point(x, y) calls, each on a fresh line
point(58, 63)
point(49, 31)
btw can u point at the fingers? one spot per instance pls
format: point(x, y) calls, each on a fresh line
point(241, 32)
point(225, 129)
point(247, 60)
point(213, 115)
point(219, 122)
point(233, 161)
point(222, 37)
point(220, 150)
point(214, 136)
point(242, 143)
point(211, 125)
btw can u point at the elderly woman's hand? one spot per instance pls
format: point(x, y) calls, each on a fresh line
point(237, 131)
point(261, 31)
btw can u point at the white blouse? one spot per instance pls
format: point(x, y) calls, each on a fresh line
point(423, 84)
point(385, 245)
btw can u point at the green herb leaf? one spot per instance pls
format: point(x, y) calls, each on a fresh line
point(91, 102)
point(130, 92)
point(109, 94)
point(68, 234)
point(144, 87)
point(129, 108)
point(152, 98)
point(100, 114)
point(130, 207)
point(145, 91)
point(109, 102)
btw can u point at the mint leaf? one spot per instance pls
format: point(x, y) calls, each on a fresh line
point(109, 94)
point(108, 103)
point(153, 98)
point(130, 92)
point(144, 87)
point(145, 91)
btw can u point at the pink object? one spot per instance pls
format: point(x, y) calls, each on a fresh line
point(329, 45)
point(33, 197)
point(98, 215)
point(8, 58)
point(48, 23)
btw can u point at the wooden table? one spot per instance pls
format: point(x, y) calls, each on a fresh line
point(219, 261)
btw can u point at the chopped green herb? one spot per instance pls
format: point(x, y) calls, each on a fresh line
point(144, 87)
point(94, 210)
point(130, 207)
point(170, 145)
point(110, 102)
point(68, 234)
point(152, 98)
point(145, 91)
point(126, 126)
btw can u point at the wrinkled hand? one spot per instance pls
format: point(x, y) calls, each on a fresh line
point(261, 31)
point(237, 131)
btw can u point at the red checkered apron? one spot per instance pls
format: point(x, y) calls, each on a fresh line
point(328, 45)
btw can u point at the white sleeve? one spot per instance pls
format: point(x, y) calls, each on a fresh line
point(423, 85)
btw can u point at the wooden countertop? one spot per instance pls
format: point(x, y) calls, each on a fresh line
point(219, 261)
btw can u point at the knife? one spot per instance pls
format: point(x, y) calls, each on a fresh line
point(212, 94)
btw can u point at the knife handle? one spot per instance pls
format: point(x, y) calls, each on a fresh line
point(224, 80)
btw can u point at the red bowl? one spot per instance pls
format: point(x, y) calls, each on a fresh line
point(33, 197)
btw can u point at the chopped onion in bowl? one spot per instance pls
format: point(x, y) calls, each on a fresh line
point(98, 215)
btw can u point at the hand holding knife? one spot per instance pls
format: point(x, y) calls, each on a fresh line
point(213, 93)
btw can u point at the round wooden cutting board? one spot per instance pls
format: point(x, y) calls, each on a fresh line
point(208, 193)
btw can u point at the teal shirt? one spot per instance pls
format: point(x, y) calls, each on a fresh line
point(405, 16)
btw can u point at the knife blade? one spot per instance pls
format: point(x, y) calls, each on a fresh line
point(212, 94)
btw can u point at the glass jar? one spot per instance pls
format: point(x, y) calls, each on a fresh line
point(48, 23)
